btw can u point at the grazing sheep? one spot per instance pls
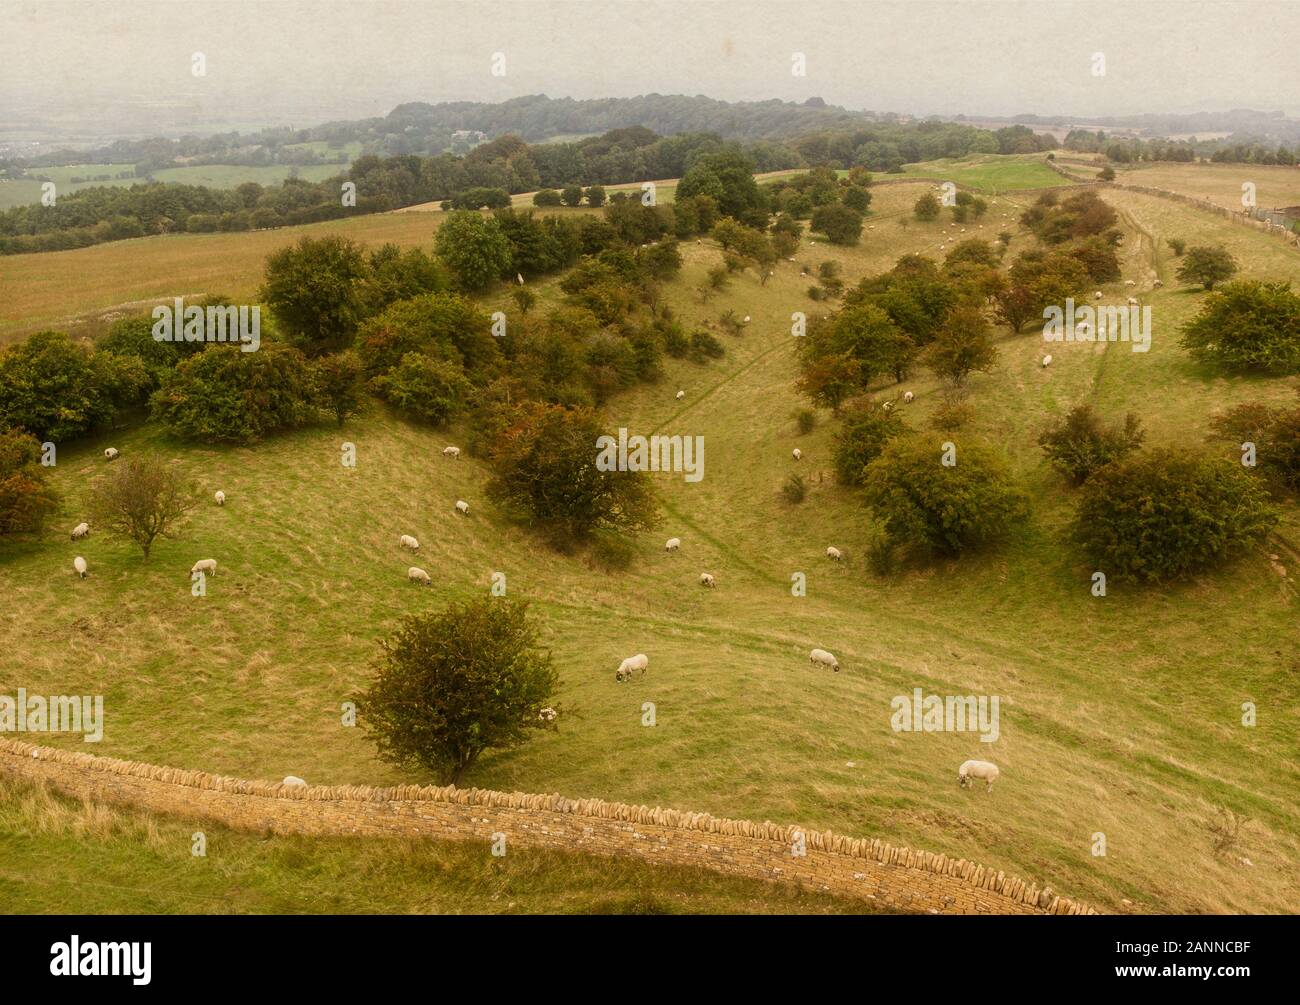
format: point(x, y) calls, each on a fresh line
point(79, 564)
point(630, 665)
point(520, 277)
point(1129, 282)
point(907, 398)
point(1158, 283)
point(293, 780)
point(824, 658)
point(1097, 295)
point(406, 541)
point(220, 497)
point(416, 575)
point(1132, 301)
point(80, 531)
point(746, 321)
point(706, 579)
point(796, 453)
point(110, 454)
point(977, 769)
point(673, 544)
point(452, 452)
point(1047, 360)
point(681, 395)
point(462, 506)
point(205, 565)
point(835, 553)
point(548, 714)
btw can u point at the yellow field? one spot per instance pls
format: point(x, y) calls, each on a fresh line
point(1220, 183)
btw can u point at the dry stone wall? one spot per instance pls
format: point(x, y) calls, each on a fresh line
point(887, 875)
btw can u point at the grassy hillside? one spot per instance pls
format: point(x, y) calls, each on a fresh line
point(1275, 186)
point(58, 855)
point(989, 172)
point(1119, 715)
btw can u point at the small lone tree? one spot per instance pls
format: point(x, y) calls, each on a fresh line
point(454, 683)
point(142, 499)
point(1207, 266)
point(926, 208)
point(340, 388)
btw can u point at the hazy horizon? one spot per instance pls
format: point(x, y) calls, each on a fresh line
point(98, 69)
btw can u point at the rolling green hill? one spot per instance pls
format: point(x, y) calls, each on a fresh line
point(1120, 715)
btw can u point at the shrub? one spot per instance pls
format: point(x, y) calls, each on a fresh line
point(546, 197)
point(454, 683)
point(1079, 444)
point(705, 346)
point(52, 387)
point(927, 207)
point(864, 434)
point(1207, 266)
point(925, 505)
point(438, 324)
point(546, 473)
point(314, 290)
point(571, 195)
point(25, 495)
point(596, 196)
point(794, 489)
point(431, 390)
point(340, 385)
point(1164, 516)
point(224, 395)
point(1177, 246)
point(474, 248)
point(882, 553)
point(807, 420)
point(963, 344)
point(141, 499)
point(838, 222)
point(1247, 325)
point(1275, 432)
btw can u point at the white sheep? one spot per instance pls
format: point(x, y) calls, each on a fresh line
point(706, 579)
point(1132, 301)
point(1129, 282)
point(406, 541)
point(1047, 360)
point(977, 769)
point(220, 497)
point(673, 544)
point(462, 506)
point(746, 321)
point(1158, 283)
point(796, 453)
point(293, 780)
point(681, 395)
point(548, 714)
point(205, 565)
point(416, 575)
point(908, 397)
point(110, 454)
point(80, 531)
point(79, 564)
point(835, 553)
point(630, 665)
point(1097, 295)
point(452, 452)
point(824, 658)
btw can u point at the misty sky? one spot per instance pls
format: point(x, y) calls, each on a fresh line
point(124, 63)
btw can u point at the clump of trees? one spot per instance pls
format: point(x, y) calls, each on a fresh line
point(450, 685)
point(1058, 221)
point(1156, 517)
point(1080, 443)
point(1266, 434)
point(864, 433)
point(943, 509)
point(1247, 326)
